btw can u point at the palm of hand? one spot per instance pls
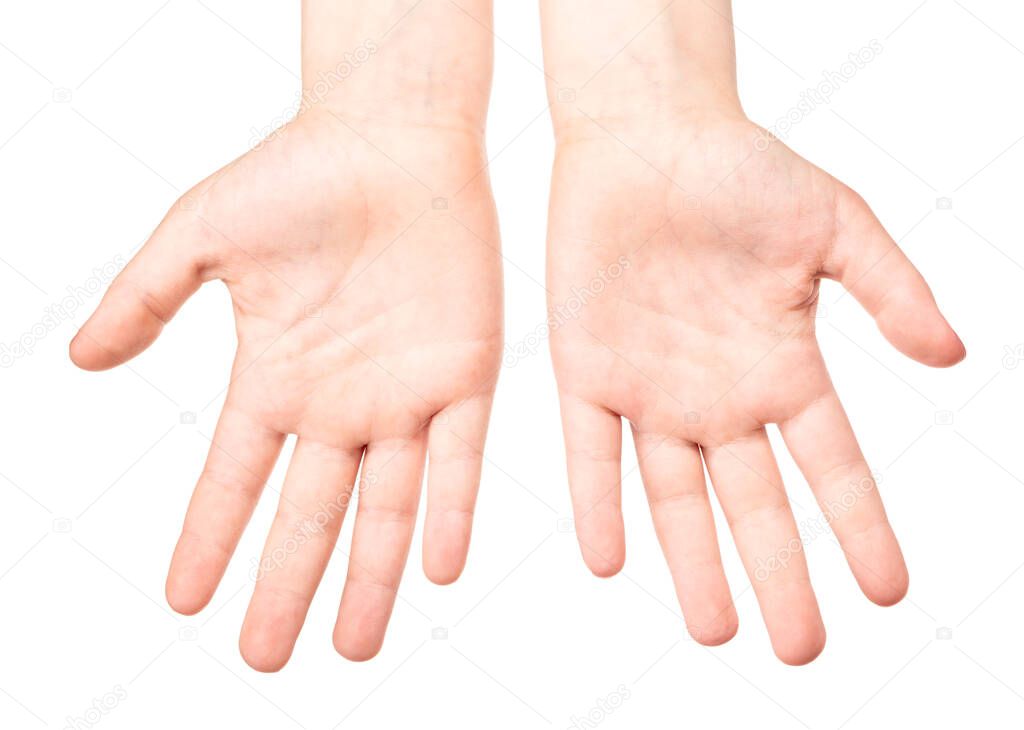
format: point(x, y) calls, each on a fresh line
point(368, 315)
point(704, 336)
point(356, 297)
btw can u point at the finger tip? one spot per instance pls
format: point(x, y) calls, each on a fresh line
point(603, 548)
point(958, 353)
point(801, 639)
point(887, 600)
point(357, 649)
point(442, 575)
point(877, 563)
point(264, 668)
point(75, 354)
point(949, 351)
point(259, 652)
point(261, 657)
point(803, 650)
point(916, 327)
point(184, 604)
point(601, 566)
point(720, 632)
point(106, 340)
point(444, 554)
point(182, 596)
point(85, 355)
point(936, 345)
point(890, 592)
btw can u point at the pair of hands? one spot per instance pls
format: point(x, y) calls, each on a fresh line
point(369, 324)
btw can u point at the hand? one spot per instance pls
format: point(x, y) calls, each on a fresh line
point(711, 245)
point(369, 324)
point(709, 239)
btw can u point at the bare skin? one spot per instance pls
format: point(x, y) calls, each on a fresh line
point(360, 249)
point(363, 264)
point(707, 335)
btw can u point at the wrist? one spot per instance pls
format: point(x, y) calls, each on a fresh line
point(638, 66)
point(399, 63)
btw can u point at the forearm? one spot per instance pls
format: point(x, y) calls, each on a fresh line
point(399, 62)
point(620, 61)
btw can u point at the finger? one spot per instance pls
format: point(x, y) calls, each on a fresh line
point(872, 267)
point(593, 450)
point(749, 487)
point(386, 516)
point(456, 444)
point(673, 475)
point(241, 458)
point(316, 493)
point(143, 297)
point(824, 447)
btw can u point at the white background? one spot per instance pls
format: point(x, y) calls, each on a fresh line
point(96, 469)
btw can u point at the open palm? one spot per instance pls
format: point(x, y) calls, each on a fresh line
point(367, 298)
point(705, 334)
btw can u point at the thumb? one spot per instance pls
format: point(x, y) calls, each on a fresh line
point(143, 297)
point(871, 266)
